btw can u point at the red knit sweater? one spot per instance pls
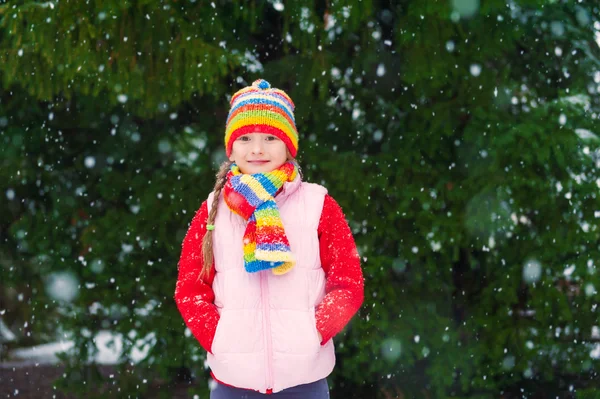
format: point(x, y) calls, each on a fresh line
point(339, 259)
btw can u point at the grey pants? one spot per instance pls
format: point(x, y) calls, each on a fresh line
point(315, 390)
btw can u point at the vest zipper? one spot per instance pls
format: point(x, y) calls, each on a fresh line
point(264, 285)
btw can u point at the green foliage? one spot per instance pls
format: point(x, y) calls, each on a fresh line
point(463, 149)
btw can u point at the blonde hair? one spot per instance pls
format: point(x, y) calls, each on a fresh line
point(207, 242)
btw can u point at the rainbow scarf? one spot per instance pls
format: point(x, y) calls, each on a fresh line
point(252, 197)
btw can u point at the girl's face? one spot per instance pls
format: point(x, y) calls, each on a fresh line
point(258, 153)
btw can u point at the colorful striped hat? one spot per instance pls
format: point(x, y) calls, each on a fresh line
point(261, 109)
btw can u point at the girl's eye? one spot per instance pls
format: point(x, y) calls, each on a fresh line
point(244, 138)
point(271, 138)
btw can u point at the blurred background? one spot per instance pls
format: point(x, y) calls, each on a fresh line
point(459, 136)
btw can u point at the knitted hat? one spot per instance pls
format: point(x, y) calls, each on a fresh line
point(261, 109)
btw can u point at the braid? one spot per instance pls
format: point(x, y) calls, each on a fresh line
point(207, 244)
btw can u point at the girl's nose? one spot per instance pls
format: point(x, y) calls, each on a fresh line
point(257, 147)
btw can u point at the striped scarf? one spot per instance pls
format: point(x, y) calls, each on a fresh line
point(252, 197)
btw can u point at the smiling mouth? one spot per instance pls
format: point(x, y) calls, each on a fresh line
point(258, 162)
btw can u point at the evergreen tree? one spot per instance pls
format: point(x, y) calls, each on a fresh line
point(458, 136)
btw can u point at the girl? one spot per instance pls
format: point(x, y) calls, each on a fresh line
point(269, 272)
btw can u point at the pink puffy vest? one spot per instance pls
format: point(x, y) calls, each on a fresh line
point(267, 335)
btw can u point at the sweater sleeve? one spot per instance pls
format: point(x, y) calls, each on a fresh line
point(194, 297)
point(344, 287)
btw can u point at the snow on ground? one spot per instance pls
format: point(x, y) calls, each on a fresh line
point(107, 353)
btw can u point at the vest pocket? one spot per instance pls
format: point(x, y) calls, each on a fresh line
point(214, 342)
point(238, 331)
point(295, 331)
point(314, 325)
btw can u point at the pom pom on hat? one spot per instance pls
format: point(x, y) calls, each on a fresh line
point(261, 84)
point(259, 108)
